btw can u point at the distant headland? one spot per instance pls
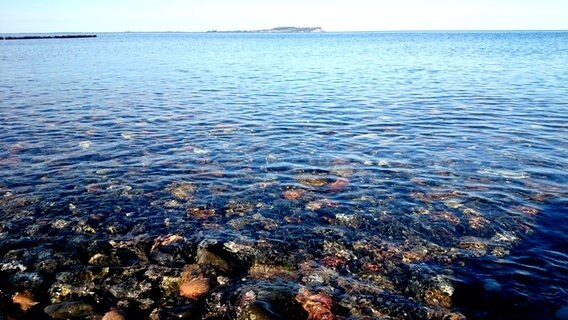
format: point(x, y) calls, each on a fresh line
point(279, 30)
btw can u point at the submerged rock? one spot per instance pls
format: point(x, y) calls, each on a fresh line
point(338, 185)
point(195, 288)
point(259, 310)
point(85, 144)
point(262, 299)
point(25, 300)
point(229, 258)
point(312, 180)
point(182, 190)
point(317, 305)
point(69, 310)
point(188, 312)
point(114, 314)
point(293, 194)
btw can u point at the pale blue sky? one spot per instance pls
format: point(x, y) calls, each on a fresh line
point(332, 15)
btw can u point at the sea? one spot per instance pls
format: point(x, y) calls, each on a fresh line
point(369, 175)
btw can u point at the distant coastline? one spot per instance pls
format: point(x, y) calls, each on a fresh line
point(277, 30)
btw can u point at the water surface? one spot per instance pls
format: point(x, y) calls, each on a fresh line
point(406, 163)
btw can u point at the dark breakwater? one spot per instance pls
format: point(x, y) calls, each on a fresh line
point(65, 36)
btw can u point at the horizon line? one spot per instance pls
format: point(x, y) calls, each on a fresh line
point(324, 31)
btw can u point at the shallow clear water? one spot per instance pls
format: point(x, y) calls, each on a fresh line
point(448, 150)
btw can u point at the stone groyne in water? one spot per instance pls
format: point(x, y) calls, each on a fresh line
point(32, 37)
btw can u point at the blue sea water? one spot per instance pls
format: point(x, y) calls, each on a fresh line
point(449, 148)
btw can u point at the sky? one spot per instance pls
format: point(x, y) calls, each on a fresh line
point(332, 15)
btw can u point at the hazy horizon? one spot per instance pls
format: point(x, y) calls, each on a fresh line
point(35, 16)
point(252, 31)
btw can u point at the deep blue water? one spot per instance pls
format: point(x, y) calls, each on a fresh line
point(452, 146)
